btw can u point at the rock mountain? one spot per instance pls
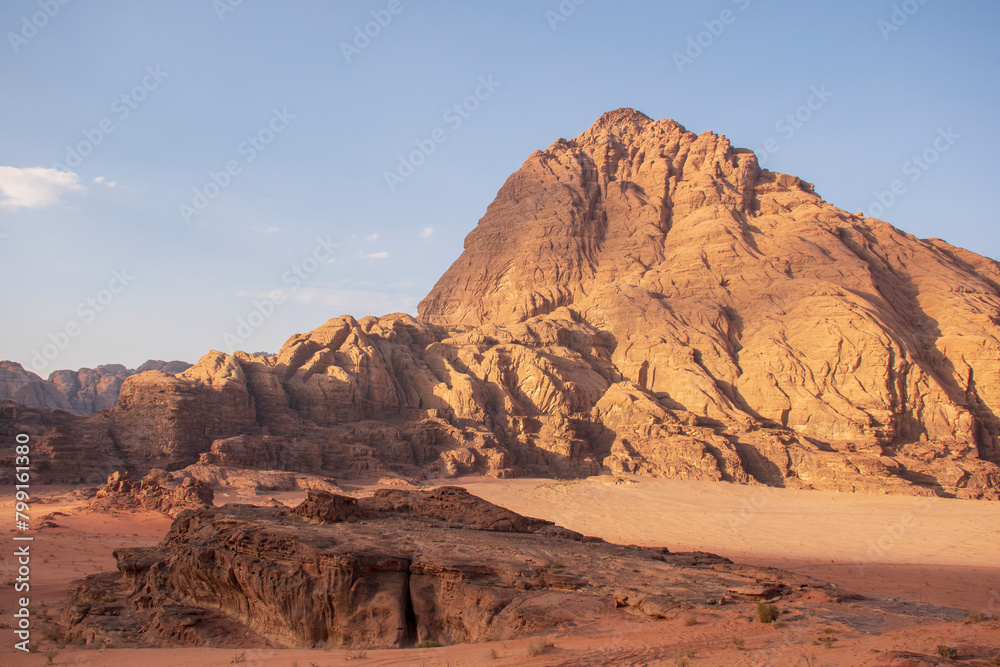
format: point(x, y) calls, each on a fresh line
point(638, 299)
point(81, 392)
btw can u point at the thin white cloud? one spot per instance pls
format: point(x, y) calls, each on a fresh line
point(372, 237)
point(426, 232)
point(101, 179)
point(377, 255)
point(35, 187)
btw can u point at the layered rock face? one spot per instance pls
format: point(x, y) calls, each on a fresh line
point(81, 392)
point(740, 296)
point(389, 571)
point(27, 389)
point(159, 491)
point(638, 299)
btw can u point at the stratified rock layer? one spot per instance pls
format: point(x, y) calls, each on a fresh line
point(159, 491)
point(638, 299)
point(389, 571)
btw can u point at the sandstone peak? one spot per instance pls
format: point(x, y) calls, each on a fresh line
point(623, 117)
point(638, 300)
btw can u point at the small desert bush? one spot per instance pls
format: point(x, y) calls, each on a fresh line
point(54, 634)
point(947, 652)
point(492, 655)
point(767, 613)
point(738, 643)
point(238, 658)
point(974, 617)
point(825, 641)
point(537, 648)
point(428, 643)
point(690, 620)
point(683, 659)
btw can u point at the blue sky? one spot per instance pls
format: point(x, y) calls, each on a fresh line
point(288, 136)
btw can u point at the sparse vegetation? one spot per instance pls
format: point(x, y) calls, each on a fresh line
point(690, 620)
point(825, 641)
point(538, 647)
point(357, 655)
point(767, 613)
point(428, 643)
point(829, 631)
point(974, 617)
point(238, 658)
point(738, 643)
point(947, 652)
point(55, 634)
point(492, 655)
point(995, 661)
point(683, 659)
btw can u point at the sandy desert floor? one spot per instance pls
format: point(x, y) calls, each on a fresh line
point(934, 550)
point(945, 552)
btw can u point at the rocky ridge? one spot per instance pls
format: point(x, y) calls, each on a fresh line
point(639, 299)
point(81, 392)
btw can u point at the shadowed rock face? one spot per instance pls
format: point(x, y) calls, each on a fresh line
point(396, 569)
point(638, 299)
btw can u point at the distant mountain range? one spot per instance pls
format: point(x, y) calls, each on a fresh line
point(81, 392)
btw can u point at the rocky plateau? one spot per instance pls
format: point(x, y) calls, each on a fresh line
point(399, 569)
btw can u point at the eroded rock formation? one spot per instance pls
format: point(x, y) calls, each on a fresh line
point(391, 571)
point(81, 392)
point(638, 299)
point(159, 491)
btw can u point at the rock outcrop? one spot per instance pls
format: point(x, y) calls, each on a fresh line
point(389, 571)
point(159, 491)
point(81, 392)
point(638, 299)
point(29, 390)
